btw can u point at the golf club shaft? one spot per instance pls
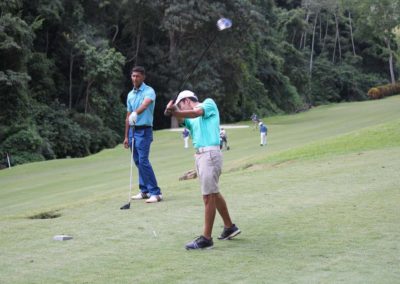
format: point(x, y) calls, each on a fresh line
point(195, 67)
point(130, 178)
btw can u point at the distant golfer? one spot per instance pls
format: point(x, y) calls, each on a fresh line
point(223, 137)
point(263, 134)
point(185, 135)
point(255, 120)
point(139, 126)
point(202, 119)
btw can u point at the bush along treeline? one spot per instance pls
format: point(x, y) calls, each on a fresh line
point(380, 92)
point(65, 64)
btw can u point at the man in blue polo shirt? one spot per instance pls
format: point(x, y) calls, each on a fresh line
point(185, 135)
point(139, 126)
point(202, 120)
point(263, 134)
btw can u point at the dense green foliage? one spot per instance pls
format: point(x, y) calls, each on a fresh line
point(64, 65)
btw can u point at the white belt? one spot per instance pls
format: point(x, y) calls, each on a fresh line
point(207, 149)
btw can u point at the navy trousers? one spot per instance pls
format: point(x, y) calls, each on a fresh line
point(141, 151)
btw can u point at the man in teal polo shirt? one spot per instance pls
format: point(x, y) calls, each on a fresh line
point(139, 126)
point(202, 120)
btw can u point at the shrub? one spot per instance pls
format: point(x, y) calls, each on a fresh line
point(374, 93)
point(384, 91)
point(23, 146)
point(72, 140)
point(100, 136)
point(24, 140)
point(62, 136)
point(25, 157)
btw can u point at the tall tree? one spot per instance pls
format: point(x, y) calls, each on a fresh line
point(16, 38)
point(381, 18)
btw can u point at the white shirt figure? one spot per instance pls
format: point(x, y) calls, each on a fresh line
point(223, 139)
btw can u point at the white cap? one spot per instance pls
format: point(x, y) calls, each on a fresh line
point(183, 95)
point(260, 123)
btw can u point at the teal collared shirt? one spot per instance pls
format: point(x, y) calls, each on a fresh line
point(135, 99)
point(205, 129)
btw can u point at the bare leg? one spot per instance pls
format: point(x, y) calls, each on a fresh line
point(209, 214)
point(223, 210)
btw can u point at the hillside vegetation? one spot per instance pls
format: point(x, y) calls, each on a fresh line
point(65, 64)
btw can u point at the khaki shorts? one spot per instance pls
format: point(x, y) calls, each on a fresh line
point(209, 166)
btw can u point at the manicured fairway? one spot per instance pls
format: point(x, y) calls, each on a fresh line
point(319, 204)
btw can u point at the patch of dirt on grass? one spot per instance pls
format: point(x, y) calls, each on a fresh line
point(238, 168)
point(46, 215)
point(260, 166)
point(283, 163)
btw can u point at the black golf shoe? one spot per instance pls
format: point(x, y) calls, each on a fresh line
point(200, 243)
point(229, 233)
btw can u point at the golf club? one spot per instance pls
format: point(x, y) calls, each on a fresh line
point(222, 24)
point(128, 205)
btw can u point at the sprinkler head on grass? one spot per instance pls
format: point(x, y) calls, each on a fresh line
point(62, 238)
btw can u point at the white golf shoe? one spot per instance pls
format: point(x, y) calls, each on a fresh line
point(140, 195)
point(154, 199)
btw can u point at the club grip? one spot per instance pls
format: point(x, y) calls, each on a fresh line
point(167, 113)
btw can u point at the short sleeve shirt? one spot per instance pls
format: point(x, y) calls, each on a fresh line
point(205, 128)
point(263, 129)
point(135, 99)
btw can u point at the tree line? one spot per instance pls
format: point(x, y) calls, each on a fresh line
point(65, 64)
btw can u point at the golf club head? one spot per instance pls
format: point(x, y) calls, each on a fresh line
point(223, 24)
point(126, 206)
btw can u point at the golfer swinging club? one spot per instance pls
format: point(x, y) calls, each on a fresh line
point(202, 119)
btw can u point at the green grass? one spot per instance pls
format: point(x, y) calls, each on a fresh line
point(320, 204)
point(381, 136)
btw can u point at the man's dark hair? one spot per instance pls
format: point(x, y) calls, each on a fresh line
point(139, 69)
